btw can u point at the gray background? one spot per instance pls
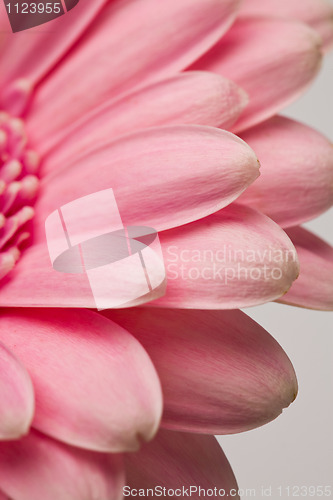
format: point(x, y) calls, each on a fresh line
point(297, 448)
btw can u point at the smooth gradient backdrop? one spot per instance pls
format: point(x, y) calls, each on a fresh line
point(297, 448)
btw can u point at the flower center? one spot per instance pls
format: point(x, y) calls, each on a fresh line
point(18, 189)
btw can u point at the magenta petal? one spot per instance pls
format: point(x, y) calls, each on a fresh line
point(161, 177)
point(132, 43)
point(196, 97)
point(314, 287)
point(272, 60)
point(176, 461)
point(60, 289)
point(30, 55)
point(74, 359)
point(220, 371)
point(16, 395)
point(51, 289)
point(296, 182)
point(317, 13)
point(234, 258)
point(38, 468)
point(7, 263)
point(240, 258)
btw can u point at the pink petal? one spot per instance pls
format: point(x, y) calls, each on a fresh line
point(66, 288)
point(193, 97)
point(16, 395)
point(7, 262)
point(317, 13)
point(220, 371)
point(30, 55)
point(95, 385)
point(132, 43)
point(176, 461)
point(162, 177)
point(38, 468)
point(272, 60)
point(240, 258)
point(234, 258)
point(50, 288)
point(314, 287)
point(297, 171)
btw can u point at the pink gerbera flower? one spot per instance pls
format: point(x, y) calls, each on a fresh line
point(146, 99)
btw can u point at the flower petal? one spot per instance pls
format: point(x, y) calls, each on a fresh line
point(30, 55)
point(192, 97)
point(317, 13)
point(220, 371)
point(38, 468)
point(297, 171)
point(7, 262)
point(16, 395)
point(132, 43)
point(234, 258)
point(272, 60)
point(181, 461)
point(51, 289)
point(59, 289)
point(162, 177)
point(74, 359)
point(314, 287)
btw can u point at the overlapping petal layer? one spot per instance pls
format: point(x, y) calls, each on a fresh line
point(196, 97)
point(316, 13)
point(17, 397)
point(314, 287)
point(296, 182)
point(272, 60)
point(39, 468)
point(237, 257)
point(94, 384)
point(161, 177)
point(220, 371)
point(133, 43)
point(214, 165)
point(30, 55)
point(176, 461)
point(51, 289)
